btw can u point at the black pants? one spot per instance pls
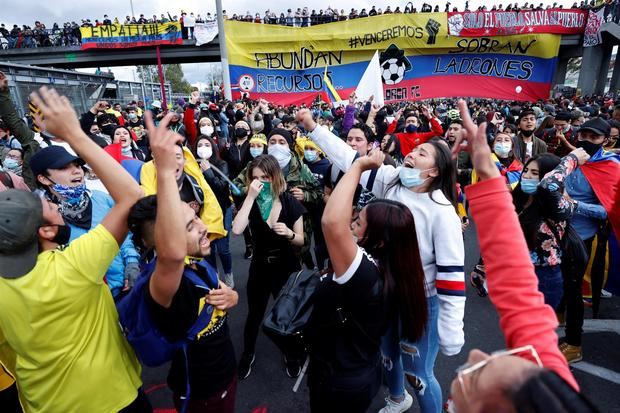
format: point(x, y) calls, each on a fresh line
point(335, 393)
point(141, 404)
point(573, 281)
point(264, 279)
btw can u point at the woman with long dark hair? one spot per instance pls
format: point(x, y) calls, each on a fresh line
point(426, 184)
point(377, 277)
point(544, 213)
point(275, 219)
point(208, 156)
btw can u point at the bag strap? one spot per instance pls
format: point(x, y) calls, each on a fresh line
point(371, 179)
point(6, 179)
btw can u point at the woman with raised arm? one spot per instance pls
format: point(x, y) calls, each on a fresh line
point(532, 375)
point(426, 184)
point(378, 278)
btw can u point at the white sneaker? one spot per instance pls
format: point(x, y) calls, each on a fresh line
point(606, 294)
point(229, 280)
point(394, 407)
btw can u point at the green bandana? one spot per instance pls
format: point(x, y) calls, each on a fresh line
point(265, 200)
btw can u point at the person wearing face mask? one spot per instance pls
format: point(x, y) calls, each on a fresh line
point(133, 120)
point(61, 176)
point(300, 181)
point(176, 123)
point(544, 213)
point(411, 138)
point(23, 135)
point(525, 143)
point(594, 190)
point(208, 154)
point(277, 227)
point(560, 139)
point(426, 184)
point(14, 161)
point(8, 177)
point(504, 159)
point(99, 138)
point(258, 145)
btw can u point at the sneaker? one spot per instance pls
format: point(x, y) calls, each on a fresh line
point(571, 353)
point(245, 365)
point(397, 407)
point(478, 280)
point(606, 294)
point(292, 367)
point(229, 280)
point(248, 253)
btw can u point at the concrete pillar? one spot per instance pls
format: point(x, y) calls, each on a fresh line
point(615, 76)
point(559, 78)
point(590, 69)
point(601, 80)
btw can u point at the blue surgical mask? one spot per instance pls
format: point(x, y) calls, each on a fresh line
point(256, 152)
point(71, 195)
point(411, 128)
point(529, 185)
point(502, 149)
point(410, 177)
point(13, 165)
point(310, 155)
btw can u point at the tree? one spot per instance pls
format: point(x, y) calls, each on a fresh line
point(173, 74)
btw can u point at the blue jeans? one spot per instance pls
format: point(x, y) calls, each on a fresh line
point(416, 360)
point(221, 246)
point(551, 284)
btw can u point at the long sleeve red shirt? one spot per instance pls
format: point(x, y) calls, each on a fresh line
point(513, 286)
point(408, 141)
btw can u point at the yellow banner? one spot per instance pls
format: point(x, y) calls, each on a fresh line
point(281, 47)
point(130, 35)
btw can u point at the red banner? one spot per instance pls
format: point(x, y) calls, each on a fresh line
point(501, 23)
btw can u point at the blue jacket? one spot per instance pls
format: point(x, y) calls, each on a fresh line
point(102, 203)
point(586, 218)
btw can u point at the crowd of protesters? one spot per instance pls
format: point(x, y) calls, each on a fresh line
point(129, 203)
point(68, 34)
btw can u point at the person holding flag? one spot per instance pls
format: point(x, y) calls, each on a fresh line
point(594, 190)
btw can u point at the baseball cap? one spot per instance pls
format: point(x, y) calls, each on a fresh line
point(597, 125)
point(52, 157)
point(21, 215)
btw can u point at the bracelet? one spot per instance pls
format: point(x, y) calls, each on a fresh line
point(292, 237)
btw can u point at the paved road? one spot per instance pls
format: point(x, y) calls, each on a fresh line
point(268, 386)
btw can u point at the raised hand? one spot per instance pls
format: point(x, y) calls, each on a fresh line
point(100, 106)
point(371, 161)
point(60, 117)
point(255, 187)
point(163, 142)
point(582, 155)
point(304, 117)
point(473, 140)
point(194, 97)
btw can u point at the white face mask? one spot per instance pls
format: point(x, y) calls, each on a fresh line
point(204, 152)
point(281, 153)
point(206, 130)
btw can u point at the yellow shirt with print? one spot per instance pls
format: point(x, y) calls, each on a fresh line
point(62, 325)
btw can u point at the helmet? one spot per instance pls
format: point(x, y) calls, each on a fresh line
point(453, 114)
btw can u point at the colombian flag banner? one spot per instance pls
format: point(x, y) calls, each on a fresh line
point(116, 36)
point(418, 60)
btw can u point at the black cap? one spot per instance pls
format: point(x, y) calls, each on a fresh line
point(563, 116)
point(597, 125)
point(52, 157)
point(284, 133)
point(21, 214)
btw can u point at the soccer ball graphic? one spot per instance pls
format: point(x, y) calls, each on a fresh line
point(393, 64)
point(393, 71)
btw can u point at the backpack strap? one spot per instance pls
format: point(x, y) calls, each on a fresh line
point(371, 179)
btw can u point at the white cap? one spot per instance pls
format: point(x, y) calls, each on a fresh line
point(156, 104)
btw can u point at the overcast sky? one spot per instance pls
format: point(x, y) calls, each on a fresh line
point(59, 11)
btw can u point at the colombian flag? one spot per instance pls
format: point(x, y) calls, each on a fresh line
point(331, 94)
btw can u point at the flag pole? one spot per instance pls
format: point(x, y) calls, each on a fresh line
point(160, 71)
point(223, 50)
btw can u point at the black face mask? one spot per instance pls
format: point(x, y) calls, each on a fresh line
point(108, 129)
point(241, 133)
point(589, 147)
point(527, 133)
point(63, 235)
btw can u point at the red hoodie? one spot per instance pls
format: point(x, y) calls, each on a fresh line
point(408, 141)
point(513, 286)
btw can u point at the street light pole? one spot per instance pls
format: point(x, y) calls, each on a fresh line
point(131, 4)
point(223, 49)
